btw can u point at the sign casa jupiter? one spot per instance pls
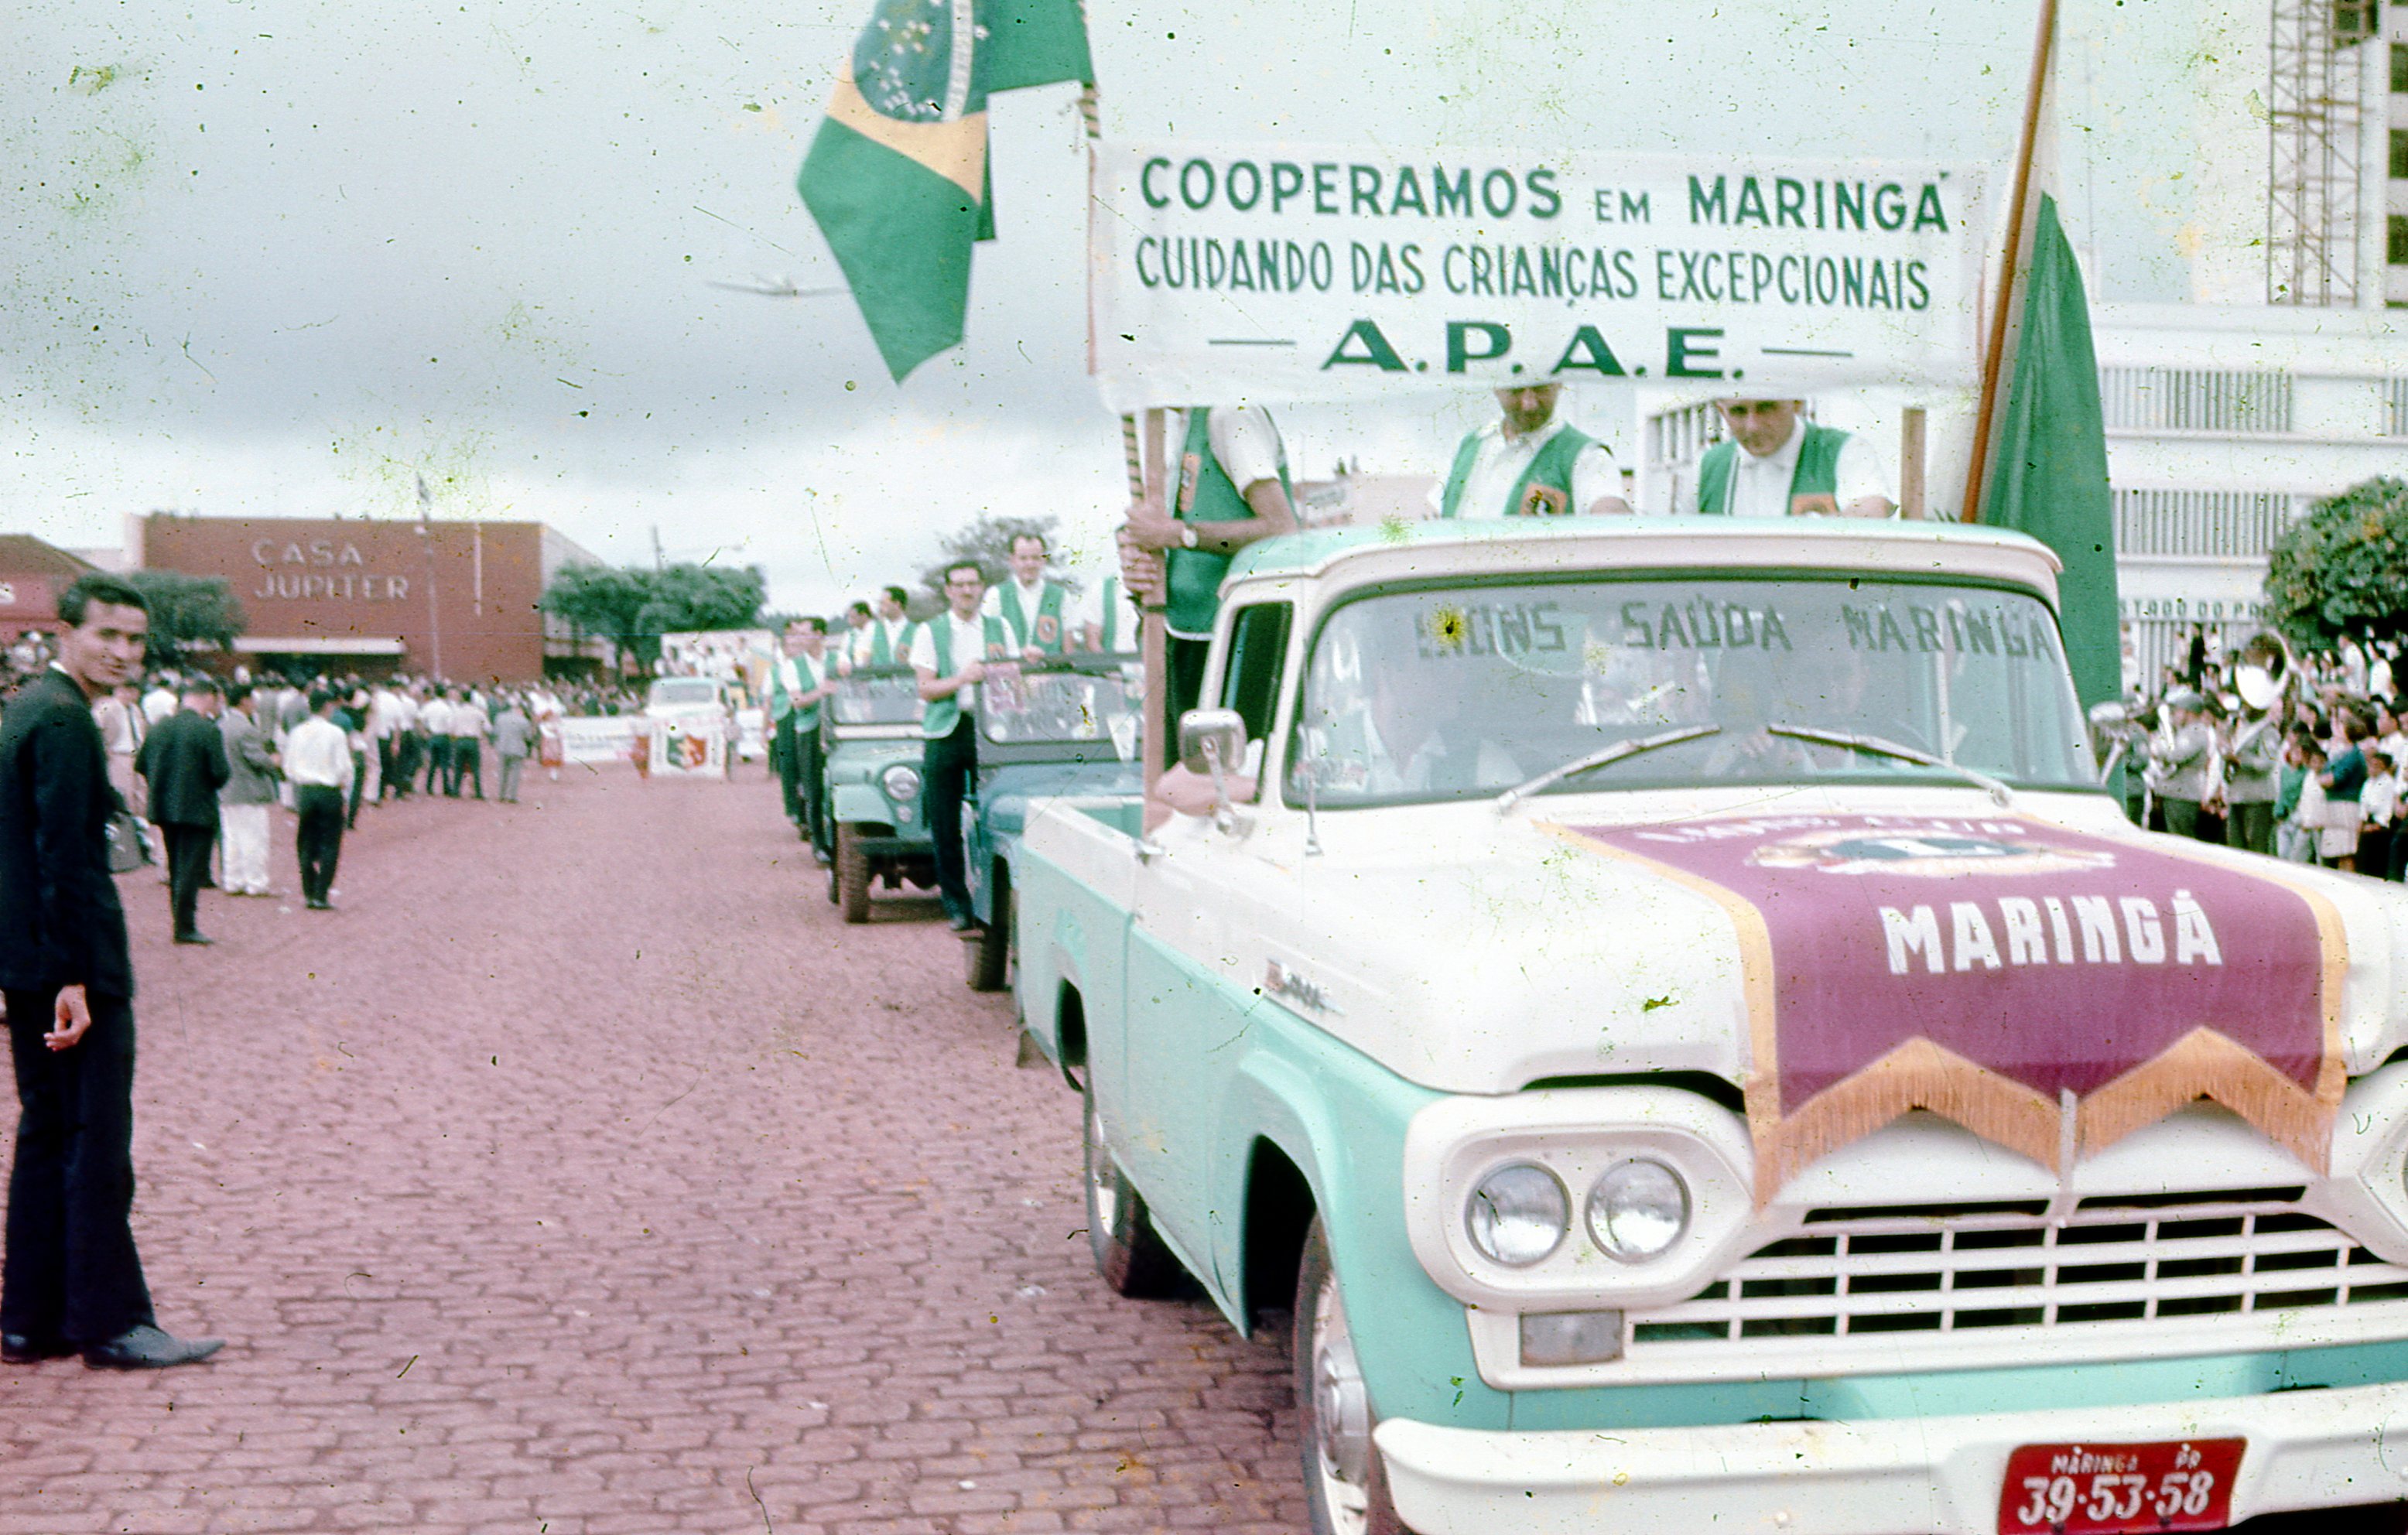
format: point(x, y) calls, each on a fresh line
point(360, 589)
point(1224, 271)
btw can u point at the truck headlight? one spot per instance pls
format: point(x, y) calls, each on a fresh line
point(901, 783)
point(1637, 1210)
point(1517, 1214)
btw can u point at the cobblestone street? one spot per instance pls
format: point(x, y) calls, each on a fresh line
point(583, 1173)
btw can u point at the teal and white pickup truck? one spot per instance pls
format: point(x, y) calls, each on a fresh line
point(1667, 1010)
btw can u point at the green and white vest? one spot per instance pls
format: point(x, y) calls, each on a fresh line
point(1545, 488)
point(1206, 494)
point(1813, 486)
point(1045, 630)
point(938, 716)
point(812, 675)
point(1107, 610)
point(884, 655)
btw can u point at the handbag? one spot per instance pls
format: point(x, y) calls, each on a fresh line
point(128, 849)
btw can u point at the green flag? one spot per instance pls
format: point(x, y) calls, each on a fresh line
point(2048, 461)
point(897, 176)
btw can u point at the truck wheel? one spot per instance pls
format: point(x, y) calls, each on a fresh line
point(1345, 1488)
point(1128, 1254)
point(988, 951)
point(852, 875)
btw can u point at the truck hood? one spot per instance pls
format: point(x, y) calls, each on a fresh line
point(1474, 953)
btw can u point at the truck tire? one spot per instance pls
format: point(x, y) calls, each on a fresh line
point(1345, 1488)
point(990, 948)
point(1128, 1254)
point(852, 875)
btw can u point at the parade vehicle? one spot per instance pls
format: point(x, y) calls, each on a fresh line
point(870, 750)
point(690, 723)
point(1666, 1012)
point(1065, 726)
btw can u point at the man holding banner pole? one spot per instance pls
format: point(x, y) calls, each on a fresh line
point(1233, 490)
point(1529, 465)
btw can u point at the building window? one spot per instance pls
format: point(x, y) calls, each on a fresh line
point(2196, 399)
point(2400, 151)
point(2395, 408)
point(2400, 66)
point(2354, 20)
point(2397, 251)
point(2215, 524)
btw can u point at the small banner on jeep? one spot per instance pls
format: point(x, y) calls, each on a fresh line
point(1225, 272)
point(2049, 990)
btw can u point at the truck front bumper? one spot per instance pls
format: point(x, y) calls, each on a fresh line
point(2306, 1449)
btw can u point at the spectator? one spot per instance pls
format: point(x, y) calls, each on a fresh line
point(183, 761)
point(318, 761)
point(249, 789)
point(513, 737)
point(2344, 781)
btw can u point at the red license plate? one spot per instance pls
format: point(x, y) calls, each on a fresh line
point(2120, 1489)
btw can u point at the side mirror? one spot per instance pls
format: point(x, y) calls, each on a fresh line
point(1211, 742)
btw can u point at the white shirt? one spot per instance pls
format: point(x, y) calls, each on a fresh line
point(436, 716)
point(968, 644)
point(318, 756)
point(157, 705)
point(1501, 461)
point(469, 722)
point(1243, 439)
point(1760, 486)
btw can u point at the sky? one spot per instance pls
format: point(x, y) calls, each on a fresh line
point(278, 257)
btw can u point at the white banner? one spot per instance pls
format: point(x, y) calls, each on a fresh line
point(598, 738)
point(1226, 272)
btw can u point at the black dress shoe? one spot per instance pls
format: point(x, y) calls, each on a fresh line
point(149, 1348)
point(194, 937)
point(18, 1349)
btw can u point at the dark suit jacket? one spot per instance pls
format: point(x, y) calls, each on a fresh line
point(60, 921)
point(184, 760)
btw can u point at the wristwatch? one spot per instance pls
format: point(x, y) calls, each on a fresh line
point(1187, 536)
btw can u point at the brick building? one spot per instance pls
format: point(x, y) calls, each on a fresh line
point(376, 596)
point(32, 576)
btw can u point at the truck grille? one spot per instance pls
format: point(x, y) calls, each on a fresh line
point(1880, 1271)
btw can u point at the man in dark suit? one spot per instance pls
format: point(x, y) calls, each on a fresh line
point(183, 760)
point(71, 1281)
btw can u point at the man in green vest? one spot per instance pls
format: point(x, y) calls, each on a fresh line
point(1778, 464)
point(1529, 465)
point(949, 652)
point(1108, 628)
point(885, 640)
point(1232, 490)
point(797, 682)
point(1034, 609)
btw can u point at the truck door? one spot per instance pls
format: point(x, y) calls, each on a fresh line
point(1201, 909)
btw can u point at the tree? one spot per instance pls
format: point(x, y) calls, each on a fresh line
point(2343, 567)
point(632, 606)
point(602, 601)
point(988, 542)
point(185, 610)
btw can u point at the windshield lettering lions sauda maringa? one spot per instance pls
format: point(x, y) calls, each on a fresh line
point(1454, 692)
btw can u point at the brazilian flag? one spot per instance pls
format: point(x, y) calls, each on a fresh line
point(897, 176)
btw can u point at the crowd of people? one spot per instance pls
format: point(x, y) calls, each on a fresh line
point(202, 764)
point(2303, 757)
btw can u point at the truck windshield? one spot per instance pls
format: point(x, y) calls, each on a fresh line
point(684, 692)
point(886, 698)
point(1468, 690)
point(1056, 706)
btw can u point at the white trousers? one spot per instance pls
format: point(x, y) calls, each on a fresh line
point(243, 829)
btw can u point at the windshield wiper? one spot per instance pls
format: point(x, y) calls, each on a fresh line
point(1601, 758)
point(1875, 746)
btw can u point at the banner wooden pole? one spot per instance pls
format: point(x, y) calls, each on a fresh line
point(1911, 429)
point(1154, 636)
point(1994, 356)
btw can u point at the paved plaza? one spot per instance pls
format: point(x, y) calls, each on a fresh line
point(584, 1173)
